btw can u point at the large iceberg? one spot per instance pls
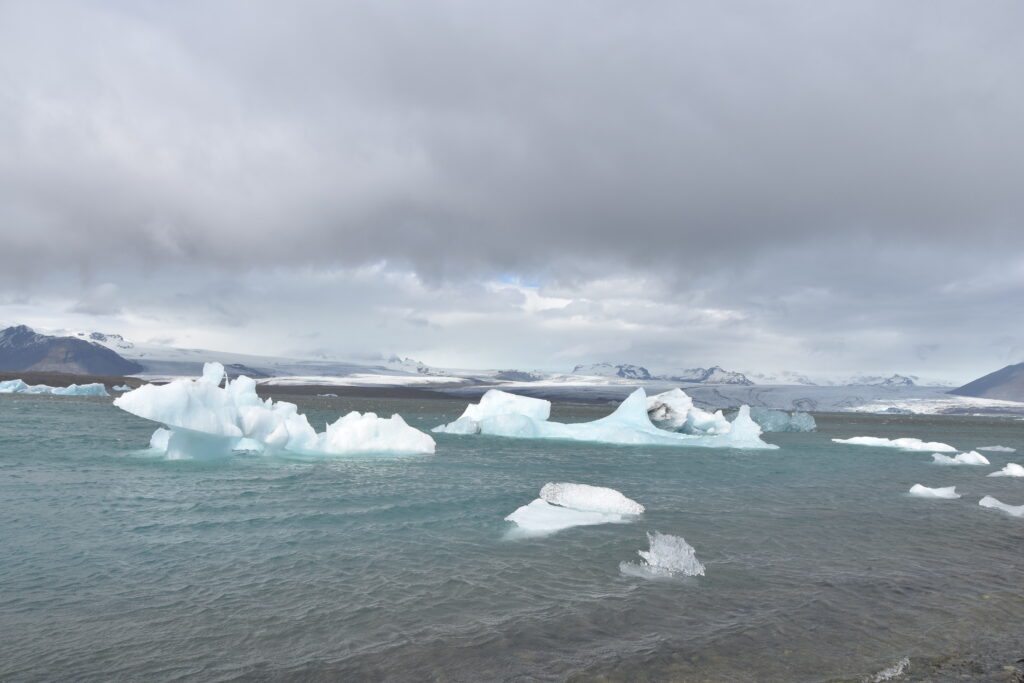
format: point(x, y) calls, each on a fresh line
point(206, 419)
point(503, 414)
point(1012, 469)
point(969, 458)
point(565, 505)
point(920, 491)
point(906, 444)
point(990, 502)
point(17, 386)
point(668, 556)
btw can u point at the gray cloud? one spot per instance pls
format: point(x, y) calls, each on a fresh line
point(827, 178)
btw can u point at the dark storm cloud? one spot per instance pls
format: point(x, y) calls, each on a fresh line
point(703, 181)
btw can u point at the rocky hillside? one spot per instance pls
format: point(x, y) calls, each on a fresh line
point(1006, 384)
point(22, 349)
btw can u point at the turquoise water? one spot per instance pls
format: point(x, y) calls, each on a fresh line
point(117, 564)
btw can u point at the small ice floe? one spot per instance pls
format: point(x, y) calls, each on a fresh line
point(205, 419)
point(502, 414)
point(123, 387)
point(17, 386)
point(990, 502)
point(925, 492)
point(969, 458)
point(668, 556)
point(997, 449)
point(1012, 469)
point(890, 672)
point(906, 444)
point(563, 505)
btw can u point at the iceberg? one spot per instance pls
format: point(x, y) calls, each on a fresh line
point(674, 410)
point(997, 449)
point(17, 386)
point(668, 556)
point(207, 420)
point(1012, 469)
point(925, 492)
point(969, 458)
point(990, 502)
point(781, 421)
point(502, 414)
point(565, 505)
point(905, 444)
point(123, 387)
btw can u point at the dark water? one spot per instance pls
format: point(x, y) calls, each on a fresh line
point(115, 564)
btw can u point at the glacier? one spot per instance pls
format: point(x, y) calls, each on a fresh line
point(207, 420)
point(925, 492)
point(969, 458)
point(668, 556)
point(906, 444)
point(502, 414)
point(990, 502)
point(17, 386)
point(563, 505)
point(1012, 469)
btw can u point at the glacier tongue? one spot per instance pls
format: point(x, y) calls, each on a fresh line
point(499, 414)
point(207, 420)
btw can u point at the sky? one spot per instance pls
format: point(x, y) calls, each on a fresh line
point(826, 188)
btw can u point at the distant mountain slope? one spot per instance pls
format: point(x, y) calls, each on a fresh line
point(1006, 384)
point(21, 349)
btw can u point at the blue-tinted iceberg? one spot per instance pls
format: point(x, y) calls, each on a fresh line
point(781, 421)
point(207, 420)
point(123, 387)
point(906, 444)
point(969, 458)
point(668, 556)
point(17, 386)
point(990, 502)
point(1012, 469)
point(920, 491)
point(674, 410)
point(503, 414)
point(565, 505)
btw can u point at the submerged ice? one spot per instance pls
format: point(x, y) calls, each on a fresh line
point(668, 556)
point(17, 386)
point(564, 505)
point(205, 419)
point(906, 444)
point(502, 414)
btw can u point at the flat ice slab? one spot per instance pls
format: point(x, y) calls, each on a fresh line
point(1012, 469)
point(564, 505)
point(502, 414)
point(668, 556)
point(969, 458)
point(920, 491)
point(17, 386)
point(997, 449)
point(906, 444)
point(990, 502)
point(206, 420)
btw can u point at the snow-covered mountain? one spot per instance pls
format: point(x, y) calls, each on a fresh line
point(712, 375)
point(624, 371)
point(23, 349)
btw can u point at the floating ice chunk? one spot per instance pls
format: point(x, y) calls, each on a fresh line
point(585, 497)
point(207, 420)
point(1012, 469)
point(990, 502)
point(123, 387)
point(925, 492)
point(906, 444)
point(17, 386)
point(781, 421)
point(997, 449)
point(563, 505)
point(629, 424)
point(495, 406)
point(674, 410)
point(969, 458)
point(889, 673)
point(668, 556)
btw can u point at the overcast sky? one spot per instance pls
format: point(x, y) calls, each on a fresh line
point(824, 187)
